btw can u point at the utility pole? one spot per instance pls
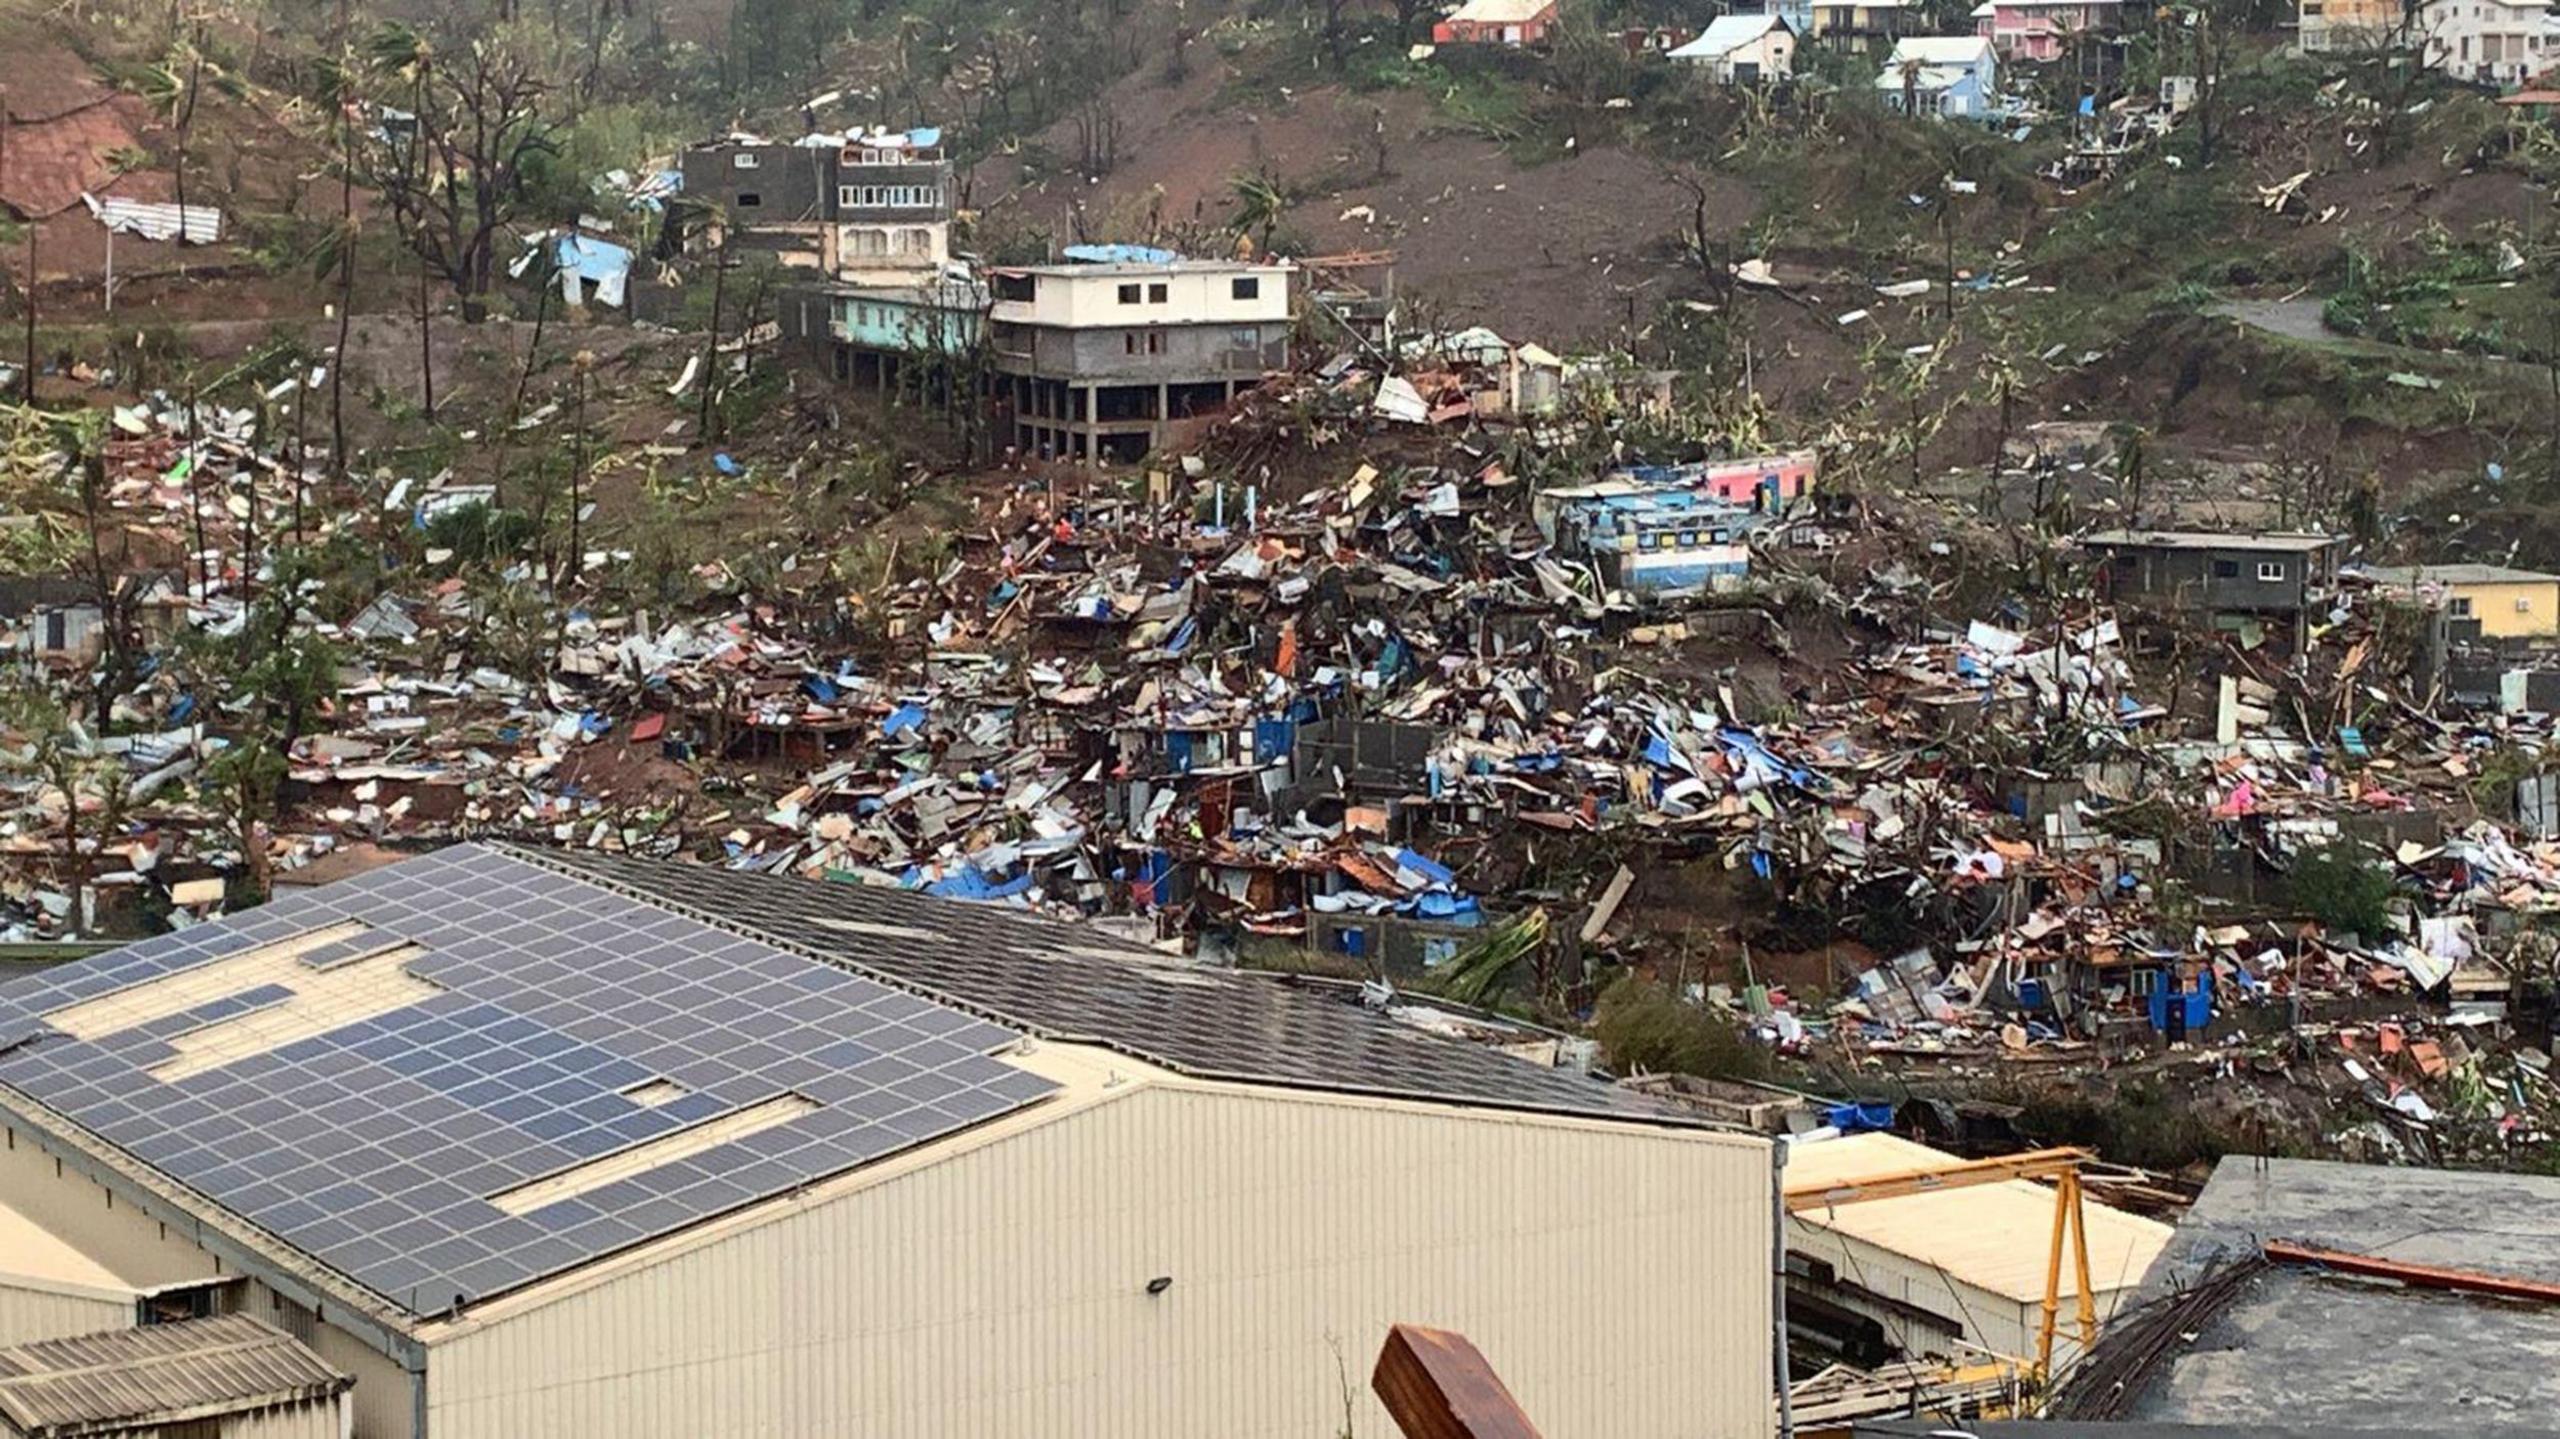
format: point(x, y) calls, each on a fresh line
point(27, 382)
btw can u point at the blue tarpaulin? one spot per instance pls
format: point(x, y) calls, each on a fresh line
point(1858, 1118)
point(967, 883)
point(1273, 738)
point(901, 720)
point(1407, 859)
point(2196, 1003)
point(1119, 255)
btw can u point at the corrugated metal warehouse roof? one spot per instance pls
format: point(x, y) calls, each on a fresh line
point(160, 1374)
point(1071, 982)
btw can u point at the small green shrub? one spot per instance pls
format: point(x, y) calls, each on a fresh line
point(2340, 888)
point(1642, 1025)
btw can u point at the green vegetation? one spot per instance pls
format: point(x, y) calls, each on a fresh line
point(2342, 889)
point(2450, 294)
point(1643, 1026)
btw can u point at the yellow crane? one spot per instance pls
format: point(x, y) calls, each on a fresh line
point(2061, 1166)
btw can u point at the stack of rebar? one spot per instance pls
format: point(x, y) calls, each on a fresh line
point(2105, 1381)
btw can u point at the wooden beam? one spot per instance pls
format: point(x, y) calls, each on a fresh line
point(2416, 1276)
point(1436, 1385)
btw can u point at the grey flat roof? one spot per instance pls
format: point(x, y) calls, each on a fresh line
point(2210, 540)
point(1070, 982)
point(2451, 575)
point(161, 1373)
point(2071, 1429)
point(2299, 1347)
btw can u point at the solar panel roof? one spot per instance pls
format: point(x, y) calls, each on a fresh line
point(1070, 982)
point(468, 1024)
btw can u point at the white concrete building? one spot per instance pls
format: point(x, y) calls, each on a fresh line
point(2490, 42)
point(1096, 359)
point(538, 1145)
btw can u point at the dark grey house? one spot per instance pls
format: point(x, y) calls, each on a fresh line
point(760, 182)
point(2237, 575)
point(865, 209)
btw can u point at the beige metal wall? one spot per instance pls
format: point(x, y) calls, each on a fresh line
point(77, 1210)
point(29, 1314)
point(317, 1419)
point(1616, 1275)
point(384, 1401)
point(146, 1253)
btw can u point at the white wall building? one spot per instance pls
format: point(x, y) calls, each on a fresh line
point(543, 1146)
point(1742, 49)
point(2492, 42)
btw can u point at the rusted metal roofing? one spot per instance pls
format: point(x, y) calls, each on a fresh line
point(98, 1384)
point(51, 162)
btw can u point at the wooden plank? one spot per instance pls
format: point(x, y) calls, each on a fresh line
point(1437, 1385)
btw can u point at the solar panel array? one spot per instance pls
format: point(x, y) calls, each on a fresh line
point(376, 1146)
point(1069, 981)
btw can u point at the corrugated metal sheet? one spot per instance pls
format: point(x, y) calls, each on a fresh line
point(1616, 1275)
point(156, 221)
point(29, 1313)
point(200, 1368)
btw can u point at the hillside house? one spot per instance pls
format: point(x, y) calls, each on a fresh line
point(1098, 357)
point(862, 207)
point(2490, 42)
point(2490, 602)
point(1953, 77)
point(1743, 50)
point(1497, 22)
point(1841, 22)
point(2346, 26)
point(774, 197)
point(891, 292)
point(2231, 578)
point(2041, 30)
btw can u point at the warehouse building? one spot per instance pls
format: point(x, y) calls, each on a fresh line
point(536, 1144)
point(1944, 1275)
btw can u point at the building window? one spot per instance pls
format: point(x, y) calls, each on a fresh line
point(1128, 294)
point(1245, 337)
point(1016, 287)
point(2271, 571)
point(889, 197)
point(1129, 343)
point(1156, 294)
point(1249, 288)
point(749, 199)
point(746, 160)
point(2523, 606)
point(2226, 569)
point(2461, 607)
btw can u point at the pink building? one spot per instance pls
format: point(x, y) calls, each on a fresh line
point(2041, 29)
point(1768, 478)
